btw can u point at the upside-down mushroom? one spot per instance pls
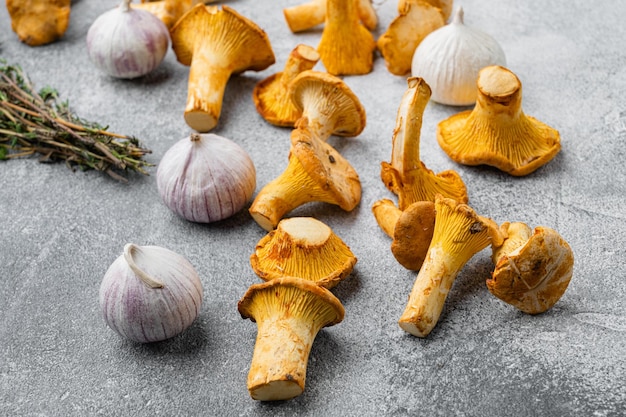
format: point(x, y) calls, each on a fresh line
point(346, 46)
point(411, 230)
point(444, 5)
point(216, 43)
point(289, 313)
point(39, 22)
point(497, 132)
point(271, 95)
point(406, 175)
point(414, 22)
point(533, 267)
point(459, 234)
point(303, 247)
point(327, 104)
point(316, 172)
point(312, 13)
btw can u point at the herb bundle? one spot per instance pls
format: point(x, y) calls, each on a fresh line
point(34, 122)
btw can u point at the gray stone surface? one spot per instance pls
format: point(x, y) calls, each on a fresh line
point(61, 230)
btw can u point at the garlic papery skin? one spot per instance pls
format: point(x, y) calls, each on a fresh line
point(205, 178)
point(449, 60)
point(126, 42)
point(150, 294)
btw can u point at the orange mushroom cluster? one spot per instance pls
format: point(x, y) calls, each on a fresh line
point(300, 261)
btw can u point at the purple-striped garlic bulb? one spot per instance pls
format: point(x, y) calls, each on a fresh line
point(205, 178)
point(126, 42)
point(150, 294)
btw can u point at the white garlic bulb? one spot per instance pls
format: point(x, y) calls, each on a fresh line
point(206, 178)
point(126, 42)
point(150, 294)
point(449, 60)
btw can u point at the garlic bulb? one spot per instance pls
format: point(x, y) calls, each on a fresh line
point(126, 42)
point(150, 294)
point(206, 178)
point(449, 60)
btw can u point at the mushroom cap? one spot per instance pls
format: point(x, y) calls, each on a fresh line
point(39, 22)
point(497, 132)
point(534, 276)
point(271, 95)
point(444, 5)
point(291, 297)
point(413, 233)
point(337, 180)
point(229, 38)
point(303, 247)
point(334, 99)
point(406, 31)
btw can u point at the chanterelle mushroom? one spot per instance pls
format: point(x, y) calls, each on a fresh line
point(303, 247)
point(289, 313)
point(271, 95)
point(38, 22)
point(346, 46)
point(406, 175)
point(216, 43)
point(533, 268)
point(312, 13)
point(497, 132)
point(411, 230)
point(316, 172)
point(459, 234)
point(328, 105)
point(414, 22)
point(169, 11)
point(444, 5)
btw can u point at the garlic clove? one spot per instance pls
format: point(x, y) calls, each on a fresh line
point(127, 43)
point(206, 178)
point(449, 60)
point(150, 294)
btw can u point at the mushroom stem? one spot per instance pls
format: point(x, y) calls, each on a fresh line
point(459, 233)
point(307, 15)
point(280, 357)
point(129, 251)
point(283, 194)
point(386, 214)
point(406, 175)
point(207, 84)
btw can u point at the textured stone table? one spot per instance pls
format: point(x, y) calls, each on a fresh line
point(61, 230)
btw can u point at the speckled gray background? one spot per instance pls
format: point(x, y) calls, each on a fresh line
point(60, 231)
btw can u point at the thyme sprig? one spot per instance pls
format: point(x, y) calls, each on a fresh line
point(34, 122)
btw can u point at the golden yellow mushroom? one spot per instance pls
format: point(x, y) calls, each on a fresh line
point(411, 230)
point(328, 105)
point(271, 95)
point(303, 247)
point(312, 13)
point(459, 234)
point(444, 5)
point(216, 43)
point(497, 132)
point(39, 22)
point(289, 313)
point(316, 172)
point(406, 31)
point(406, 175)
point(533, 267)
point(346, 46)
